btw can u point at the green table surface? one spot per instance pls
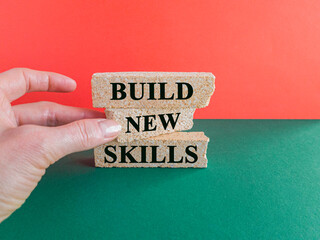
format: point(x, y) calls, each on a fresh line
point(262, 182)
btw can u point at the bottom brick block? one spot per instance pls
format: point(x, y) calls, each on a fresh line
point(174, 150)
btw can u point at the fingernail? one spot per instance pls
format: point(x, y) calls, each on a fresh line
point(74, 83)
point(109, 128)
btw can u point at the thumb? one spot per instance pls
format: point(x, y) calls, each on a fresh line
point(80, 135)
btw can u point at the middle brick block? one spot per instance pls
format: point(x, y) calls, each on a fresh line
point(144, 123)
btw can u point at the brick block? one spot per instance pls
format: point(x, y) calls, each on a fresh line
point(144, 123)
point(152, 89)
point(174, 150)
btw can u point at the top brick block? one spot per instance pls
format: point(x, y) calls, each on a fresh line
point(152, 89)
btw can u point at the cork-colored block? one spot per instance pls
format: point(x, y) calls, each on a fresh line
point(174, 150)
point(152, 89)
point(144, 123)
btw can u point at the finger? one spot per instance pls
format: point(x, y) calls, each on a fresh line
point(7, 119)
point(78, 136)
point(18, 81)
point(51, 114)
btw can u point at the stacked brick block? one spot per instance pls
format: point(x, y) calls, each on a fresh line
point(153, 108)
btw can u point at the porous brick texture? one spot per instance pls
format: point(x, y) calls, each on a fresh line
point(203, 85)
point(161, 121)
point(174, 150)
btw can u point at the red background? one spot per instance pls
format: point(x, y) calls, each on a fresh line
point(265, 54)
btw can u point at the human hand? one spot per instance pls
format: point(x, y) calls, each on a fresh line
point(33, 136)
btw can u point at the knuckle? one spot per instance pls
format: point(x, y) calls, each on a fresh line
point(49, 110)
point(51, 118)
point(84, 135)
point(40, 81)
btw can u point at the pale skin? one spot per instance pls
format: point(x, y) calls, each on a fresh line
point(34, 136)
